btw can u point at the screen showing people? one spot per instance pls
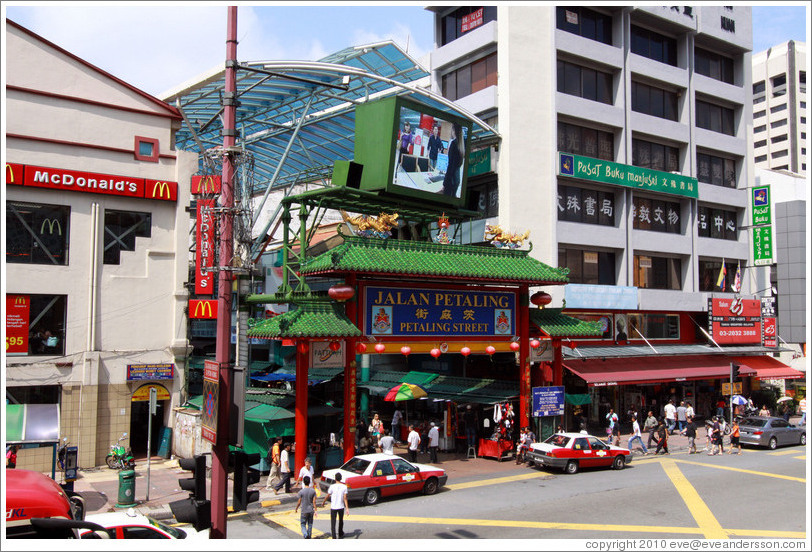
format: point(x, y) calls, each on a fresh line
point(430, 153)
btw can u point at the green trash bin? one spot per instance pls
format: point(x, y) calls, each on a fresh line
point(126, 488)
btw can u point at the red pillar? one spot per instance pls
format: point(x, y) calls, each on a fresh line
point(219, 456)
point(524, 356)
point(350, 375)
point(558, 367)
point(302, 361)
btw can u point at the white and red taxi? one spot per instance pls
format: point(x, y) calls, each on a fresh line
point(573, 451)
point(370, 476)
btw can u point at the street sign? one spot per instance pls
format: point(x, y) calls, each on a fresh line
point(548, 401)
point(732, 389)
point(762, 245)
point(153, 401)
point(211, 389)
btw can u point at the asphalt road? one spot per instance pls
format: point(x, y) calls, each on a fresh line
point(759, 494)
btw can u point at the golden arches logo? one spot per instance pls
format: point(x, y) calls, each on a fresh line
point(161, 188)
point(51, 223)
point(207, 185)
point(203, 309)
point(21, 300)
point(9, 173)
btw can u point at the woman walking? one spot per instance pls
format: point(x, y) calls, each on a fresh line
point(662, 433)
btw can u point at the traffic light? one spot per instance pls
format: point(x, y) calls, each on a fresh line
point(244, 475)
point(195, 509)
point(734, 371)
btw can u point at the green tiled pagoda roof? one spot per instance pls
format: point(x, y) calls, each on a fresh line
point(421, 259)
point(555, 324)
point(313, 318)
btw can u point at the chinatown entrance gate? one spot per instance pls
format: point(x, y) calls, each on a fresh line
point(404, 297)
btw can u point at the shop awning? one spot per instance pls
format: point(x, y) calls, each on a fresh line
point(624, 371)
point(32, 423)
point(766, 367)
point(418, 378)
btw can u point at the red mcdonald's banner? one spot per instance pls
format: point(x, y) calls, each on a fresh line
point(18, 308)
point(206, 184)
point(203, 308)
point(88, 182)
point(204, 257)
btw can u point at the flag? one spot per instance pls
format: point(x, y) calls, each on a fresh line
point(737, 282)
point(720, 281)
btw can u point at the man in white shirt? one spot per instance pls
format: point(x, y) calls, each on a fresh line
point(337, 493)
point(636, 435)
point(284, 471)
point(387, 443)
point(306, 471)
point(670, 416)
point(434, 442)
point(414, 442)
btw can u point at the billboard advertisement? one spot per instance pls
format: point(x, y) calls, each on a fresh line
point(412, 150)
point(18, 309)
point(734, 321)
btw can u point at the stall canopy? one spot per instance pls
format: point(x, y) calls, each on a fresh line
point(765, 367)
point(32, 423)
point(625, 371)
point(442, 387)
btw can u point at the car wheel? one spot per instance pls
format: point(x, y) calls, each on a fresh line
point(572, 467)
point(619, 463)
point(111, 462)
point(802, 442)
point(531, 464)
point(372, 496)
point(431, 486)
point(773, 443)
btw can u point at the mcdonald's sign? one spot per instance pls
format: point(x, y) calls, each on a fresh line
point(203, 308)
point(204, 256)
point(14, 174)
point(18, 309)
point(161, 189)
point(94, 183)
point(51, 223)
point(205, 184)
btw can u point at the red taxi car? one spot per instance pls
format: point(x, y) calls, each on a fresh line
point(370, 476)
point(573, 451)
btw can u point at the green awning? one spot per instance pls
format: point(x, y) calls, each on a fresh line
point(32, 423)
point(15, 418)
point(266, 412)
point(312, 318)
point(576, 399)
point(418, 378)
point(419, 259)
point(553, 323)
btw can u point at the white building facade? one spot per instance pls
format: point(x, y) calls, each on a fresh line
point(97, 241)
point(779, 107)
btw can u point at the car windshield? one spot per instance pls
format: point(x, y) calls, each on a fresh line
point(176, 533)
point(356, 465)
point(753, 422)
point(558, 440)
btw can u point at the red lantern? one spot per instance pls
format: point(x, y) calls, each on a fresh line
point(302, 347)
point(341, 292)
point(514, 345)
point(405, 350)
point(361, 348)
point(335, 345)
point(490, 349)
point(380, 347)
point(541, 298)
point(535, 343)
point(572, 345)
point(435, 352)
point(465, 351)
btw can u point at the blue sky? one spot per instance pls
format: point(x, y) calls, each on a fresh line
point(158, 46)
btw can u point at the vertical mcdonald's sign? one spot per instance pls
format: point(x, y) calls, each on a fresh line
point(18, 308)
point(204, 258)
point(205, 184)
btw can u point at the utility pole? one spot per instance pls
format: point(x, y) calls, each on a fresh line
point(219, 457)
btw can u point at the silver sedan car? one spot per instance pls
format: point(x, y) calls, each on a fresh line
point(770, 432)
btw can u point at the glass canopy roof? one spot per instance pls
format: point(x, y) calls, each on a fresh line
point(319, 98)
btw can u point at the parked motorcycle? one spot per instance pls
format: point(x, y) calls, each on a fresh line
point(120, 457)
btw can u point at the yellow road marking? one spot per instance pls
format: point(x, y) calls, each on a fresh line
point(802, 457)
point(496, 481)
point(696, 506)
point(742, 470)
point(783, 452)
point(520, 524)
point(290, 520)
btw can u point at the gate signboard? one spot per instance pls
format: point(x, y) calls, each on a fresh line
point(548, 401)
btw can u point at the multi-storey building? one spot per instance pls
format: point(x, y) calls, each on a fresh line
point(779, 107)
point(624, 149)
point(96, 253)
